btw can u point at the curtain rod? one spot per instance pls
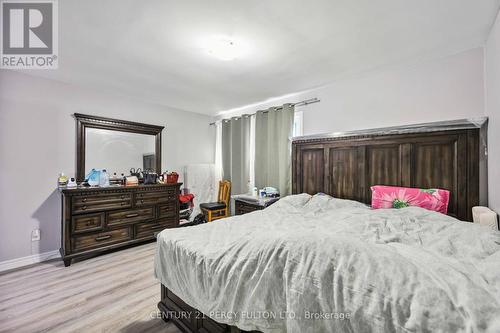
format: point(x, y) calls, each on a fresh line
point(301, 103)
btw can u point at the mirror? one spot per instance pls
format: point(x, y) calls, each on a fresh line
point(118, 152)
point(116, 145)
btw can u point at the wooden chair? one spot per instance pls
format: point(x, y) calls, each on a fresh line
point(220, 209)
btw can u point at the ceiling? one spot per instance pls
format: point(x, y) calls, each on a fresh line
point(154, 50)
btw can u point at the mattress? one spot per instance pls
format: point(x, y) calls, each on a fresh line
point(320, 264)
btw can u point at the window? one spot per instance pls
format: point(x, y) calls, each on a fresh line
point(298, 128)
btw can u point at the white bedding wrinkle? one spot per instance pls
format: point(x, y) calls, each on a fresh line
point(319, 264)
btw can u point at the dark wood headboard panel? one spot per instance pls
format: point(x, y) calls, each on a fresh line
point(346, 166)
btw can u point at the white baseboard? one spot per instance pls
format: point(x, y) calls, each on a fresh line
point(29, 260)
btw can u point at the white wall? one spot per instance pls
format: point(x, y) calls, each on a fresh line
point(37, 141)
point(444, 89)
point(492, 69)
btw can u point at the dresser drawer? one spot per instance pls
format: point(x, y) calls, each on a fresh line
point(150, 230)
point(152, 198)
point(178, 301)
point(168, 210)
point(87, 222)
point(188, 315)
point(92, 203)
point(209, 325)
point(242, 208)
point(130, 216)
point(81, 243)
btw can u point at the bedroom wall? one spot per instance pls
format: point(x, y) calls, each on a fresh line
point(442, 89)
point(492, 70)
point(37, 141)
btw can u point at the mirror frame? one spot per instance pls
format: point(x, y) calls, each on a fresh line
point(84, 121)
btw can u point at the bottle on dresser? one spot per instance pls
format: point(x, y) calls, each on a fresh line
point(104, 179)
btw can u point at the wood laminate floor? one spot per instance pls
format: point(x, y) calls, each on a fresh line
point(115, 292)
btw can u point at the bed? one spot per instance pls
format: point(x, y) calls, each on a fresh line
point(321, 263)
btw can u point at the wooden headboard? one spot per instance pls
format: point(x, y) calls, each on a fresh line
point(447, 155)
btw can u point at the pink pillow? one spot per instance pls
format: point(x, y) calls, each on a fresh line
point(400, 197)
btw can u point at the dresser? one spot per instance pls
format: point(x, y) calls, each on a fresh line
point(95, 220)
point(246, 204)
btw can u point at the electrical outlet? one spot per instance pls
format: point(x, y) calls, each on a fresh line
point(35, 235)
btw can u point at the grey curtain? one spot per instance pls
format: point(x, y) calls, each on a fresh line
point(273, 130)
point(236, 153)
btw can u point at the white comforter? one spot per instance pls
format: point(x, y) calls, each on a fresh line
point(318, 264)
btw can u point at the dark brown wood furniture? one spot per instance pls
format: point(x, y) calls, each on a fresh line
point(448, 155)
point(84, 121)
point(98, 219)
point(187, 318)
point(242, 206)
point(95, 220)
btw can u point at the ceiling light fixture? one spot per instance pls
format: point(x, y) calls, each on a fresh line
point(224, 48)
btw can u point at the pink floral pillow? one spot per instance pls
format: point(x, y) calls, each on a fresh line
point(400, 197)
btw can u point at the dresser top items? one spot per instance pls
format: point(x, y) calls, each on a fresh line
point(115, 188)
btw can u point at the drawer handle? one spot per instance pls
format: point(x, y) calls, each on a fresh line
point(89, 223)
point(156, 226)
point(84, 200)
point(123, 203)
point(131, 215)
point(84, 207)
point(102, 237)
point(123, 197)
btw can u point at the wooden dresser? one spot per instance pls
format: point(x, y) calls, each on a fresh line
point(99, 219)
point(243, 206)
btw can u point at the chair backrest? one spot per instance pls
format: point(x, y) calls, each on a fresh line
point(224, 192)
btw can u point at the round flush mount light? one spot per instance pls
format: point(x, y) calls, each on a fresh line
point(224, 48)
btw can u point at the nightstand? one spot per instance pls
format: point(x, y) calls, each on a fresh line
point(245, 203)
